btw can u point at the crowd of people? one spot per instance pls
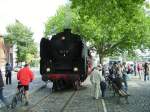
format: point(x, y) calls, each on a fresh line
point(118, 74)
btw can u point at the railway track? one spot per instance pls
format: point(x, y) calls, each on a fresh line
point(63, 101)
point(55, 102)
point(68, 101)
point(44, 101)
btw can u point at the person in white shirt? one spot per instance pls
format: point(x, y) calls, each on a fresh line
point(96, 78)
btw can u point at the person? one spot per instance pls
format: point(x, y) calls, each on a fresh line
point(24, 77)
point(3, 99)
point(119, 70)
point(135, 68)
point(96, 78)
point(129, 69)
point(8, 70)
point(102, 82)
point(139, 69)
point(124, 76)
point(110, 72)
point(115, 69)
point(146, 71)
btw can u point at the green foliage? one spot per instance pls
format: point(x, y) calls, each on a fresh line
point(114, 26)
point(111, 26)
point(56, 23)
point(21, 36)
point(147, 5)
point(64, 18)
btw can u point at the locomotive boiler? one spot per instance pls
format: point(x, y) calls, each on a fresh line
point(64, 59)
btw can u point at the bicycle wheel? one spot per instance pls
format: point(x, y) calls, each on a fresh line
point(20, 97)
point(14, 102)
point(23, 99)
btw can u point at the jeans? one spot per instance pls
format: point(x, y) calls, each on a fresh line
point(103, 93)
point(2, 98)
point(103, 88)
point(140, 73)
point(146, 77)
point(8, 80)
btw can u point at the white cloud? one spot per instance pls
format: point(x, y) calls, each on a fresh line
point(32, 13)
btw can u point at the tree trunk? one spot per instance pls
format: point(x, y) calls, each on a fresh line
point(101, 59)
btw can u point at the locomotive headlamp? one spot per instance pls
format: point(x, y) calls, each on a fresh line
point(48, 69)
point(63, 38)
point(75, 69)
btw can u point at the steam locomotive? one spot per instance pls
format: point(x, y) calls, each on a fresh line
point(64, 59)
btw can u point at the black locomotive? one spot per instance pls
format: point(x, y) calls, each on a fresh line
point(64, 58)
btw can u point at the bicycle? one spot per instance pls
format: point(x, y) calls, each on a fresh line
point(19, 97)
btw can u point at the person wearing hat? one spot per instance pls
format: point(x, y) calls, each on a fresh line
point(96, 78)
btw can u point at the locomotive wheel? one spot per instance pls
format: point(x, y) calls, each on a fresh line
point(55, 85)
point(76, 85)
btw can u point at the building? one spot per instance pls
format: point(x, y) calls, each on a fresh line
point(7, 53)
point(2, 52)
point(11, 54)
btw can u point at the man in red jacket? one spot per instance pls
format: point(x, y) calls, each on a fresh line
point(25, 76)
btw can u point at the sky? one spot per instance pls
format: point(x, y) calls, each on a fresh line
point(32, 13)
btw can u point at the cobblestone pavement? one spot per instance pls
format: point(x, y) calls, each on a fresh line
point(45, 101)
point(64, 101)
point(70, 101)
point(82, 101)
point(139, 101)
point(54, 102)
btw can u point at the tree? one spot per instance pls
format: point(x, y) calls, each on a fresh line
point(21, 36)
point(64, 18)
point(112, 27)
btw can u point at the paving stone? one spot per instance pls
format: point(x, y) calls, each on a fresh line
point(138, 101)
point(82, 101)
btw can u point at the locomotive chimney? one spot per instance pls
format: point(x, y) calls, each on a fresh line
point(67, 31)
